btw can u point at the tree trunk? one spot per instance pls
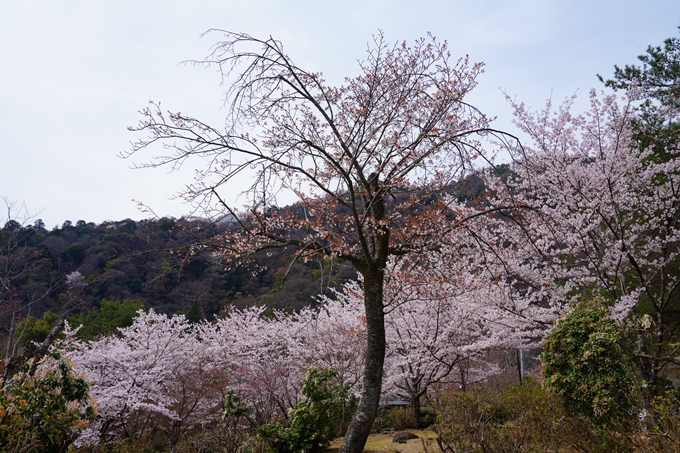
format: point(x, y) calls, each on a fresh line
point(415, 407)
point(646, 369)
point(362, 422)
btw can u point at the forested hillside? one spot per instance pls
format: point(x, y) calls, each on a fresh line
point(144, 261)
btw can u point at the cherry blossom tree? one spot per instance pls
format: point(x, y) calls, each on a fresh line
point(428, 334)
point(366, 160)
point(256, 350)
point(164, 374)
point(145, 375)
point(334, 335)
point(448, 311)
point(268, 353)
point(604, 214)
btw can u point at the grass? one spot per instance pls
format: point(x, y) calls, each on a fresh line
point(382, 443)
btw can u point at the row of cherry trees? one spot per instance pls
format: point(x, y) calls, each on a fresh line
point(166, 373)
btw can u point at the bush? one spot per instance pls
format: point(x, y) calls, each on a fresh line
point(44, 412)
point(312, 422)
point(403, 418)
point(35, 330)
point(661, 431)
point(427, 418)
point(485, 419)
point(585, 364)
point(517, 418)
point(106, 319)
point(223, 438)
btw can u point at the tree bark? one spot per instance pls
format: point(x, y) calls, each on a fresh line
point(415, 407)
point(362, 422)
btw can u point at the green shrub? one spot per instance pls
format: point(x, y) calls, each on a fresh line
point(403, 418)
point(44, 412)
point(313, 421)
point(35, 330)
point(585, 364)
point(517, 418)
point(428, 417)
point(106, 319)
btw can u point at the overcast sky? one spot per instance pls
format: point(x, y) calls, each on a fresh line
point(73, 74)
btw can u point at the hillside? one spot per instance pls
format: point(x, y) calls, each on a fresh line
point(142, 261)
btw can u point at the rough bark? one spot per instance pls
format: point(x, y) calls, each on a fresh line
point(415, 407)
point(362, 422)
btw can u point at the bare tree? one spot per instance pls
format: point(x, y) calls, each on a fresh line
point(26, 280)
point(368, 160)
point(16, 266)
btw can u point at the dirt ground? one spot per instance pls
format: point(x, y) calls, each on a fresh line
point(382, 443)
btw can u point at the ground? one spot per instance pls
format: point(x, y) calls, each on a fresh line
point(382, 443)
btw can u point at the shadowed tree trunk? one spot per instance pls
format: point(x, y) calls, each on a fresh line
point(361, 424)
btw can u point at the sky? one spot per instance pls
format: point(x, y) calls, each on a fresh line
point(74, 74)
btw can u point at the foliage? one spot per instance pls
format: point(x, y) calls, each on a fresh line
point(123, 263)
point(403, 418)
point(585, 364)
point(106, 319)
point(312, 422)
point(517, 418)
point(485, 419)
point(76, 252)
point(427, 418)
point(664, 434)
point(220, 438)
point(44, 412)
point(34, 329)
point(658, 78)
